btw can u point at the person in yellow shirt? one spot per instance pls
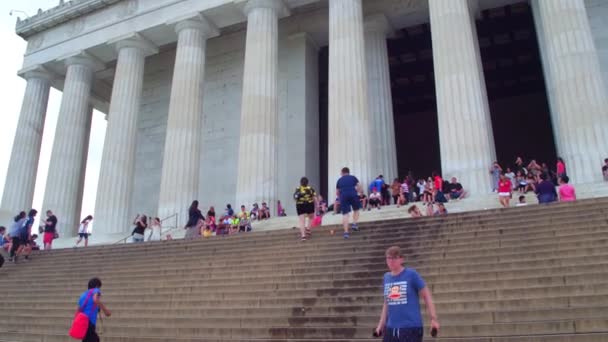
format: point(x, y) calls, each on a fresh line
point(306, 202)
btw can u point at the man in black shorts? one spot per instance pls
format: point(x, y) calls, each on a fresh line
point(347, 190)
point(306, 198)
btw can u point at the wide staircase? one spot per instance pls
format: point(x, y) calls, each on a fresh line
point(536, 273)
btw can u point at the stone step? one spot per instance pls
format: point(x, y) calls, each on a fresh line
point(157, 329)
point(318, 245)
point(236, 296)
point(477, 258)
point(320, 248)
point(365, 315)
point(25, 337)
point(349, 266)
point(433, 221)
point(432, 275)
point(209, 247)
point(591, 337)
point(573, 275)
point(299, 305)
point(314, 247)
point(218, 287)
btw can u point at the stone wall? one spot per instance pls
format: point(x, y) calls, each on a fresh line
point(298, 126)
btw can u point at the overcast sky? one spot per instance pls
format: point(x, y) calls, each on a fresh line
point(12, 88)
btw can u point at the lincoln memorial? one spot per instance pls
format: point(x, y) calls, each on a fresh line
point(232, 101)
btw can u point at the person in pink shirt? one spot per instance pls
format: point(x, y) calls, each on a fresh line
point(561, 167)
point(566, 191)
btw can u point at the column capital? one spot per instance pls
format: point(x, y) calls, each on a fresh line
point(280, 8)
point(134, 40)
point(378, 22)
point(195, 21)
point(82, 58)
point(36, 71)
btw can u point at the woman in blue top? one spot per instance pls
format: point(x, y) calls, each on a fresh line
point(401, 320)
point(91, 306)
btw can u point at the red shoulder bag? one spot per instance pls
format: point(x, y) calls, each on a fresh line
point(80, 324)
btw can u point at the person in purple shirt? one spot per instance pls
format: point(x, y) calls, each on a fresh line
point(545, 190)
point(347, 190)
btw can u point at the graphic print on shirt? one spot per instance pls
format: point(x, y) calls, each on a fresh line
point(396, 293)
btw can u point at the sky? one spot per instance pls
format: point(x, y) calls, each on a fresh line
point(12, 88)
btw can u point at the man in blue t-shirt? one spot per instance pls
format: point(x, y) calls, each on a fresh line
point(401, 320)
point(347, 191)
point(90, 303)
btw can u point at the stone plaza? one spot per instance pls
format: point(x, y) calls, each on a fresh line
point(232, 101)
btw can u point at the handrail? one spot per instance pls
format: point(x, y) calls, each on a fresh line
point(171, 228)
point(124, 240)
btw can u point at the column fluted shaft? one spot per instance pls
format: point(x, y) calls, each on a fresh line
point(577, 94)
point(257, 177)
point(384, 151)
point(465, 129)
point(182, 154)
point(349, 126)
point(65, 179)
point(115, 187)
point(23, 165)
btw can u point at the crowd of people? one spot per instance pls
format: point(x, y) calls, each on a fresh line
point(18, 241)
point(549, 185)
point(430, 191)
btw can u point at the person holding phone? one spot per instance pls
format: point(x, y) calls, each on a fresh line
point(400, 320)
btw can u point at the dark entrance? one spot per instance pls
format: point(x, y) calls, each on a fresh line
point(414, 104)
point(515, 84)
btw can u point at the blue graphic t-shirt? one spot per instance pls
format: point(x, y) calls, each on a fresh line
point(90, 309)
point(401, 297)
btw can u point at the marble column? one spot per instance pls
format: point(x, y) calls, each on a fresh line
point(115, 187)
point(182, 153)
point(577, 94)
point(465, 129)
point(384, 149)
point(23, 165)
point(257, 160)
point(349, 129)
point(65, 178)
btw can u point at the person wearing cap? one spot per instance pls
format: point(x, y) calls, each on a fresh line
point(400, 320)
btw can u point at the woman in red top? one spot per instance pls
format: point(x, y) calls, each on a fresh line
point(437, 185)
point(504, 190)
